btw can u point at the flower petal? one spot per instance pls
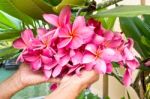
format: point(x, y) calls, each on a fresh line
point(77, 58)
point(52, 19)
point(128, 54)
point(19, 44)
point(45, 59)
point(98, 39)
point(109, 68)
point(64, 60)
point(100, 66)
point(57, 71)
point(91, 48)
point(79, 22)
point(108, 54)
point(36, 65)
point(88, 57)
point(64, 16)
point(27, 36)
point(132, 64)
point(64, 42)
point(47, 73)
point(127, 78)
point(75, 43)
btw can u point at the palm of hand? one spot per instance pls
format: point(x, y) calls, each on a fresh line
point(29, 77)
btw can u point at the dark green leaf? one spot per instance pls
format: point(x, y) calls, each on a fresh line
point(124, 11)
point(8, 33)
point(130, 29)
point(33, 8)
point(7, 51)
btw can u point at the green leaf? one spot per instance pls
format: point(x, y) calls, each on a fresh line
point(107, 23)
point(33, 8)
point(82, 95)
point(8, 33)
point(124, 11)
point(142, 26)
point(7, 51)
point(147, 19)
point(92, 96)
point(68, 2)
point(130, 29)
point(8, 7)
point(9, 22)
point(145, 41)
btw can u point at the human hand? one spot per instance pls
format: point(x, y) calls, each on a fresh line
point(83, 81)
point(71, 86)
point(23, 77)
point(28, 77)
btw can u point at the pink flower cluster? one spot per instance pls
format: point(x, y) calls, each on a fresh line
point(67, 48)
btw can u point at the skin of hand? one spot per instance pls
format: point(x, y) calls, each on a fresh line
point(71, 86)
point(22, 78)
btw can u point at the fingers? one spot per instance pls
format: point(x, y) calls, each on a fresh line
point(89, 77)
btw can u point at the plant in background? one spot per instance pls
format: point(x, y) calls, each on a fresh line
point(28, 15)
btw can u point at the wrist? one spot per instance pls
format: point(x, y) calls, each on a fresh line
point(10, 86)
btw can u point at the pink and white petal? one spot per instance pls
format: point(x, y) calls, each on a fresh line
point(78, 70)
point(115, 43)
point(109, 68)
point(71, 70)
point(36, 65)
point(128, 55)
point(45, 59)
point(132, 64)
point(64, 42)
point(64, 33)
point(85, 32)
point(41, 32)
point(51, 19)
point(75, 43)
point(98, 39)
point(88, 58)
point(108, 54)
point(47, 73)
point(27, 36)
point(127, 78)
point(64, 60)
point(108, 35)
point(100, 66)
point(51, 65)
point(19, 44)
point(89, 66)
point(91, 48)
point(77, 58)
point(72, 53)
point(130, 43)
point(30, 58)
point(79, 22)
point(64, 16)
point(57, 71)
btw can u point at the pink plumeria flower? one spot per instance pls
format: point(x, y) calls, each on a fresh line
point(59, 21)
point(98, 56)
point(76, 35)
point(25, 41)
